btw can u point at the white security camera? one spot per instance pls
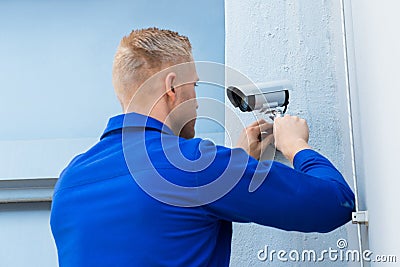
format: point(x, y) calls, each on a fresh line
point(271, 98)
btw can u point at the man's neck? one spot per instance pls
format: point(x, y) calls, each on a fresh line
point(155, 113)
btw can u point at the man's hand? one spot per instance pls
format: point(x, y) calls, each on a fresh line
point(254, 139)
point(291, 135)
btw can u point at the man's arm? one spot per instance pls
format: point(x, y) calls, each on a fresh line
point(312, 197)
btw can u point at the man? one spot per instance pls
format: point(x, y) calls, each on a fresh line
point(110, 207)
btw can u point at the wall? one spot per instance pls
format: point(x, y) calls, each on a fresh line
point(25, 236)
point(374, 56)
point(56, 93)
point(300, 41)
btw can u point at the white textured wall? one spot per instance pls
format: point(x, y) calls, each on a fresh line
point(300, 41)
point(375, 73)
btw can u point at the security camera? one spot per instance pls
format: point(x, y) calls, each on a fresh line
point(271, 98)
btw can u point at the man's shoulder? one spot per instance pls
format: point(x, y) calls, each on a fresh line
point(99, 162)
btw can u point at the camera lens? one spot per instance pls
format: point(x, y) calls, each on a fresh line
point(244, 106)
point(238, 99)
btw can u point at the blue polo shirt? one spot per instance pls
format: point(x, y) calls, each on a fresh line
point(142, 196)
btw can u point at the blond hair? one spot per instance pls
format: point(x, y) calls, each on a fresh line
point(144, 52)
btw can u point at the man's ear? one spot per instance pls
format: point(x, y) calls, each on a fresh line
point(169, 86)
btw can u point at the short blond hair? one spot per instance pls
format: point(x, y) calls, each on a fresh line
point(144, 52)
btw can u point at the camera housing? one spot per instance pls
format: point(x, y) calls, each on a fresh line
point(267, 97)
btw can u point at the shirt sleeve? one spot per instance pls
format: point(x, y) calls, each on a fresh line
point(311, 197)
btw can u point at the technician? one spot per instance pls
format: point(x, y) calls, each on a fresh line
point(110, 208)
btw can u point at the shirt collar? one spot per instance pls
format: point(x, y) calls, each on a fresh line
point(135, 120)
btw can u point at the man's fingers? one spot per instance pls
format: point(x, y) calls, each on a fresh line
point(266, 127)
point(256, 123)
point(267, 140)
point(264, 130)
point(262, 126)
